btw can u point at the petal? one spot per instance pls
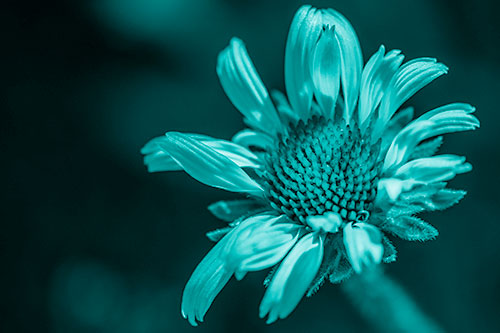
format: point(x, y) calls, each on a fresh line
point(235, 152)
point(284, 109)
point(446, 119)
point(207, 165)
point(230, 210)
point(293, 278)
point(328, 222)
point(245, 89)
point(375, 81)
point(215, 270)
point(303, 35)
point(410, 78)
point(157, 159)
point(207, 280)
point(363, 243)
point(326, 71)
point(248, 138)
point(351, 58)
point(433, 169)
point(401, 119)
point(265, 244)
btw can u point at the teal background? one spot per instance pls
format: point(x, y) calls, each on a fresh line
point(90, 242)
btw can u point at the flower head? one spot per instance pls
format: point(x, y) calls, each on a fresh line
point(327, 171)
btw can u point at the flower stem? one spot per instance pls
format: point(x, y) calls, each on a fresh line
point(386, 305)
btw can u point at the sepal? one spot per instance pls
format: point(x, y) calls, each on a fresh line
point(410, 228)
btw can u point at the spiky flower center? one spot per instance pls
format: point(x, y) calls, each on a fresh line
point(322, 166)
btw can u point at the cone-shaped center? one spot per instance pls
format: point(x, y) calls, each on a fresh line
point(322, 166)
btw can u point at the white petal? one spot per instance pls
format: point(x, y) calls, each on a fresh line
point(351, 58)
point(245, 89)
point(303, 35)
point(207, 165)
point(293, 278)
point(326, 71)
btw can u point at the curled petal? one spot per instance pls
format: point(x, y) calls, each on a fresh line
point(207, 165)
point(326, 71)
point(248, 138)
point(376, 78)
point(303, 35)
point(363, 243)
point(433, 169)
point(351, 58)
point(293, 278)
point(245, 89)
point(446, 119)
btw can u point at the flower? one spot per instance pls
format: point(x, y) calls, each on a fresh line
point(327, 171)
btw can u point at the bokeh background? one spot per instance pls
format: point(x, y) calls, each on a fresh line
point(91, 242)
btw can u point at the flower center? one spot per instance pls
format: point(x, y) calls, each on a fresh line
point(322, 166)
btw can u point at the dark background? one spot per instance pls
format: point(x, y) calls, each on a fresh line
point(91, 242)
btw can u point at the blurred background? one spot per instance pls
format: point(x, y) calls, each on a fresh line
point(91, 242)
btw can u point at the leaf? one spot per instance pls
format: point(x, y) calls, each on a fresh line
point(427, 149)
point(402, 208)
point(327, 265)
point(390, 252)
point(230, 210)
point(342, 269)
point(444, 199)
point(217, 234)
point(410, 228)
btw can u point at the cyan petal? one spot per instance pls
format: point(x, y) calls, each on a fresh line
point(207, 280)
point(363, 243)
point(207, 165)
point(446, 119)
point(245, 89)
point(410, 78)
point(230, 210)
point(293, 278)
point(433, 169)
point(375, 81)
point(303, 35)
point(249, 138)
point(285, 111)
point(157, 159)
point(326, 71)
point(351, 58)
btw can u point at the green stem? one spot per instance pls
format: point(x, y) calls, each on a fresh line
point(386, 305)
